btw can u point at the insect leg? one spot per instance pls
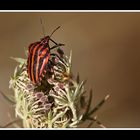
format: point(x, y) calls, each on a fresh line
point(53, 41)
point(55, 46)
point(53, 54)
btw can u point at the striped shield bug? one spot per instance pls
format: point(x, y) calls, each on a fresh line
point(39, 54)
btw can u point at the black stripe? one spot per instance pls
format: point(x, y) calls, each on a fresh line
point(30, 58)
point(35, 61)
point(41, 62)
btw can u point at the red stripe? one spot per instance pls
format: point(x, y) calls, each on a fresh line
point(45, 61)
point(37, 65)
point(32, 66)
point(29, 55)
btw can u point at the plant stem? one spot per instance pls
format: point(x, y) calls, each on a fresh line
point(73, 111)
point(49, 124)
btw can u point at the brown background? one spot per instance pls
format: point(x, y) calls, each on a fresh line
point(106, 52)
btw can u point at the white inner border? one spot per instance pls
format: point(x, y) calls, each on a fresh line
point(69, 128)
point(61, 11)
point(71, 11)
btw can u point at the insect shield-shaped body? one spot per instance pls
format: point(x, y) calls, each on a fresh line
point(39, 54)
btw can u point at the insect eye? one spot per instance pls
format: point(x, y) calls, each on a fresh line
point(44, 41)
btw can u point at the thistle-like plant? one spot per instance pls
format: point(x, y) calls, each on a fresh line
point(59, 101)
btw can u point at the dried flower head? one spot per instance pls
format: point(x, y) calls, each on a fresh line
point(57, 102)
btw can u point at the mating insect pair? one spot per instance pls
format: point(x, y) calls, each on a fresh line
point(39, 54)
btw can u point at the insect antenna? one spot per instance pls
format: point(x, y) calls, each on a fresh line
point(55, 30)
point(43, 29)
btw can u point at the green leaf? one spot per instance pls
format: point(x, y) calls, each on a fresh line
point(78, 91)
point(96, 121)
point(91, 123)
point(66, 124)
point(98, 106)
point(7, 98)
point(82, 100)
point(59, 115)
point(89, 104)
point(50, 115)
point(89, 101)
point(26, 51)
point(18, 70)
point(60, 99)
point(19, 60)
point(11, 123)
point(78, 78)
point(70, 58)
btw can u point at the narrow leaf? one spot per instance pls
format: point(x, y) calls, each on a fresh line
point(70, 59)
point(89, 104)
point(60, 99)
point(98, 106)
point(26, 51)
point(7, 98)
point(78, 78)
point(78, 91)
point(10, 123)
point(19, 60)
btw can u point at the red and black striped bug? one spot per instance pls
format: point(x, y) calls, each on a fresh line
point(39, 54)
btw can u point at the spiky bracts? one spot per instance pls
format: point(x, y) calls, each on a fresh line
point(57, 102)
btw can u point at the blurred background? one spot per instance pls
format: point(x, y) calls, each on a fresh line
point(106, 52)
